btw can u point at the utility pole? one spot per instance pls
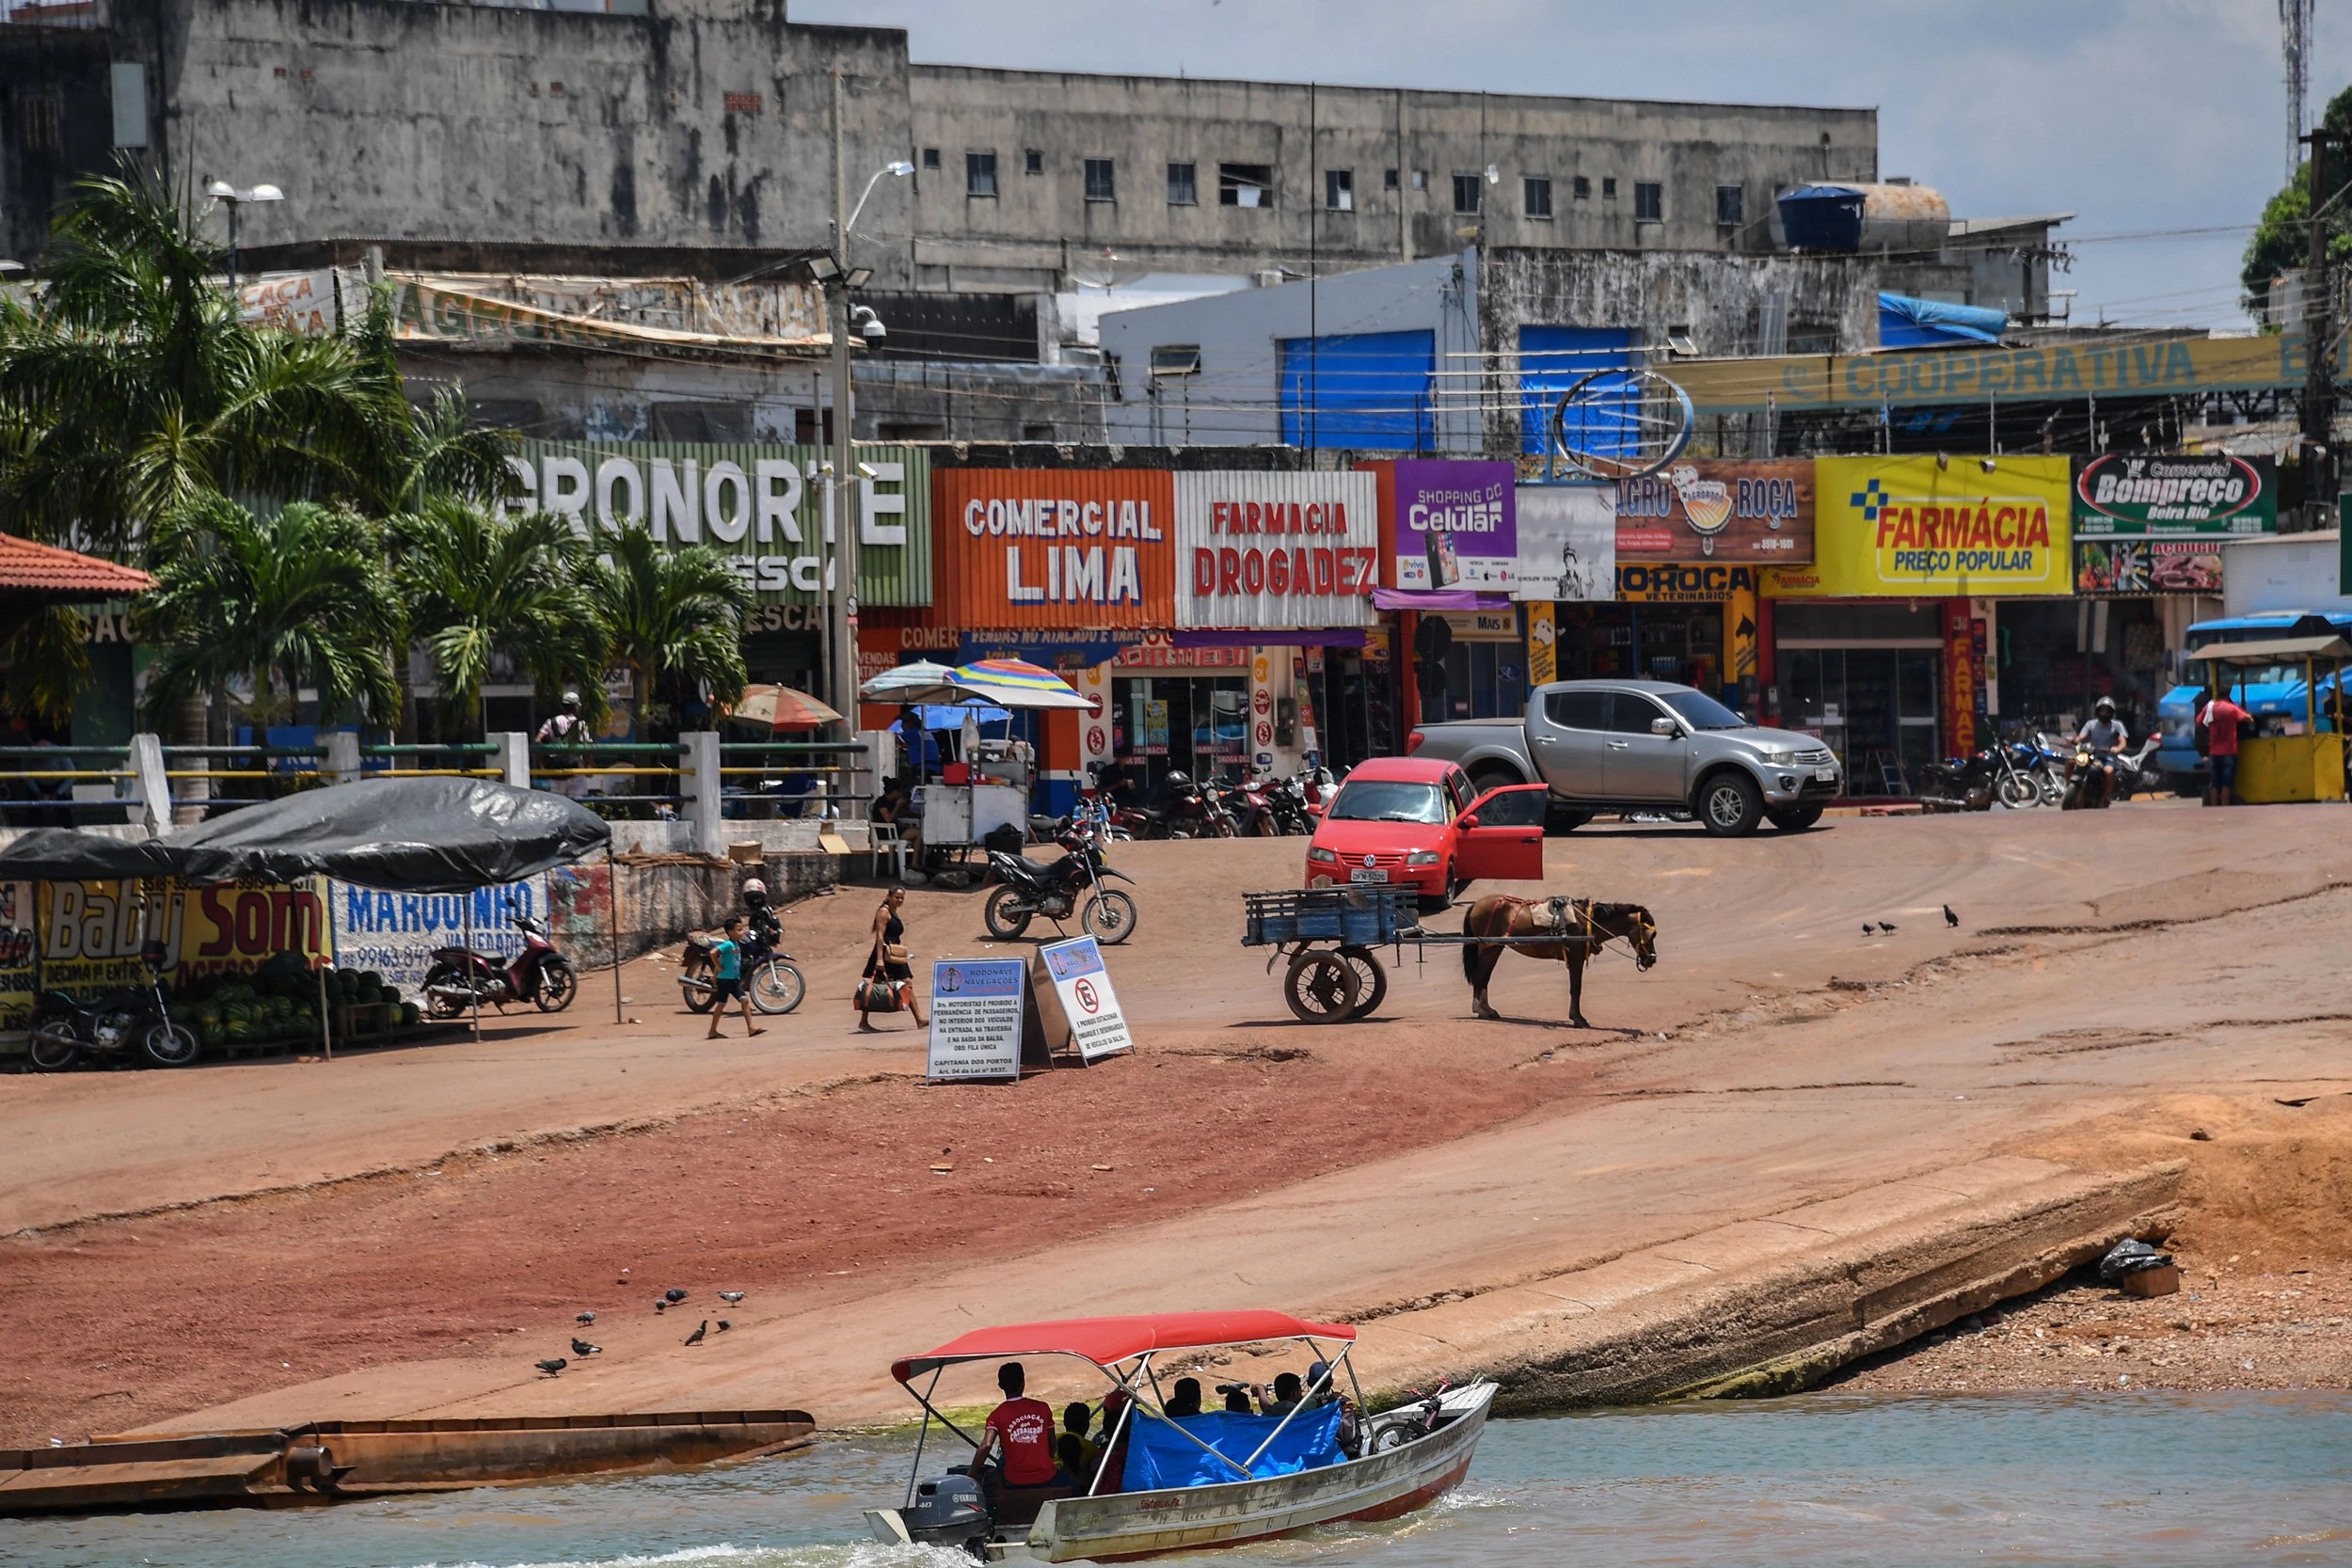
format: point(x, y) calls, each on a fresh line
point(841, 594)
point(2320, 467)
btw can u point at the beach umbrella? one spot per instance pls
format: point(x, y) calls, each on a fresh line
point(1013, 683)
point(782, 708)
point(919, 682)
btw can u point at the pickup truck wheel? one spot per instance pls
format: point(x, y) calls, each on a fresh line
point(1730, 806)
point(1796, 819)
point(1559, 821)
point(1493, 778)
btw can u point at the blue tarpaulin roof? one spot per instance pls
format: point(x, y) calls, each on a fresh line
point(1159, 1456)
point(1907, 323)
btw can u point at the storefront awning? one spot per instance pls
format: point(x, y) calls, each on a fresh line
point(1438, 598)
point(1269, 637)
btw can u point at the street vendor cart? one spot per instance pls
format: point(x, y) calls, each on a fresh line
point(2303, 762)
point(987, 789)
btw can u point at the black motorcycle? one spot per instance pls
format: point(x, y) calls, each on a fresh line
point(124, 1023)
point(1033, 888)
point(770, 974)
point(1962, 784)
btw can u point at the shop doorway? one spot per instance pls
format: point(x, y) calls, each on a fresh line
point(1196, 724)
point(1875, 707)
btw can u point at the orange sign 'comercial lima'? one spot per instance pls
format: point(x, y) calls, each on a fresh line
point(1041, 548)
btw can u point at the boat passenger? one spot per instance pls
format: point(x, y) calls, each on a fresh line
point(1114, 1467)
point(1288, 1392)
point(1237, 1399)
point(1186, 1400)
point(1020, 1436)
point(1078, 1454)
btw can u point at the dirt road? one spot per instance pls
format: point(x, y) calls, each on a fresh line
point(338, 1240)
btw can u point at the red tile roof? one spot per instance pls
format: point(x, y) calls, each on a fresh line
point(26, 567)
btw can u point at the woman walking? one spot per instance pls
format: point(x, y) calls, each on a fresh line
point(888, 964)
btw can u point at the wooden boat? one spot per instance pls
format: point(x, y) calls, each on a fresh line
point(1400, 1459)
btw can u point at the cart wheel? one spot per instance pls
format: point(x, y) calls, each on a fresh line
point(1372, 980)
point(1321, 987)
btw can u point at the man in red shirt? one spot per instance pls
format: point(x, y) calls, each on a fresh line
point(1021, 1433)
point(2222, 718)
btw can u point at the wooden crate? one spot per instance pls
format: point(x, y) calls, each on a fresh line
point(2153, 1282)
point(365, 1021)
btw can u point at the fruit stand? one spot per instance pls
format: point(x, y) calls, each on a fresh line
point(276, 1008)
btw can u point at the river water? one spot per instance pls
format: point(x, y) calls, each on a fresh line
point(1823, 1480)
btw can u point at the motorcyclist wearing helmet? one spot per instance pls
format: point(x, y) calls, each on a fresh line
point(2105, 737)
point(567, 729)
point(759, 915)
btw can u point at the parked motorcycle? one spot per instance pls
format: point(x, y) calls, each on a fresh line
point(1032, 888)
point(2050, 768)
point(1960, 783)
point(460, 978)
point(126, 1022)
point(2137, 773)
point(771, 978)
point(2016, 776)
point(1287, 801)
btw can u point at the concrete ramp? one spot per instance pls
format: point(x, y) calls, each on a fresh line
point(1778, 1304)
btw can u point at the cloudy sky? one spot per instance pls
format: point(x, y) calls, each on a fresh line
point(2145, 117)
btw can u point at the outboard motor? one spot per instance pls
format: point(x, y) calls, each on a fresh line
point(948, 1512)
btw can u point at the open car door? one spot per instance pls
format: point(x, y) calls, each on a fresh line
point(1501, 837)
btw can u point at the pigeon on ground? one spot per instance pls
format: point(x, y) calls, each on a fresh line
point(585, 1318)
point(1950, 918)
point(582, 1347)
point(1886, 928)
point(696, 1337)
point(1867, 927)
point(661, 1307)
point(725, 1325)
point(730, 1297)
point(553, 1365)
point(673, 1296)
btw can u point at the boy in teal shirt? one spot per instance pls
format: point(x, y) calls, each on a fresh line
point(726, 958)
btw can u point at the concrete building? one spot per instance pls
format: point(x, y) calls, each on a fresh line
point(484, 137)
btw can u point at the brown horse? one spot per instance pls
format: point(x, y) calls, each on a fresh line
point(1587, 926)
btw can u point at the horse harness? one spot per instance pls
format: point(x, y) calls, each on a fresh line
point(1566, 914)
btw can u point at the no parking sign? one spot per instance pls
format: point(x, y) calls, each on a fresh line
point(1083, 986)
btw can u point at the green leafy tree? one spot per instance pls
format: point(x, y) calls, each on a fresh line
point(2281, 241)
point(297, 598)
point(675, 621)
point(475, 582)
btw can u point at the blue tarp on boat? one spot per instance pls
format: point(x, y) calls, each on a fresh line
point(1159, 1456)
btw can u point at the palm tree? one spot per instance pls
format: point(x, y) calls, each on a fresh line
point(675, 618)
point(475, 581)
point(131, 388)
point(297, 598)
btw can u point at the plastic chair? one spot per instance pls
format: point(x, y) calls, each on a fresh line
point(886, 839)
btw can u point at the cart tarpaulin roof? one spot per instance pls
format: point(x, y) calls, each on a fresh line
point(2276, 650)
point(408, 835)
point(69, 855)
point(1105, 1340)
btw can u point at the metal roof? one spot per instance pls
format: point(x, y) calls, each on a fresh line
point(2276, 650)
point(1106, 1340)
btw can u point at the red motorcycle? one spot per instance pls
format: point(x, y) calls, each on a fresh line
point(460, 978)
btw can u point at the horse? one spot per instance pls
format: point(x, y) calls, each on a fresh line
point(1587, 925)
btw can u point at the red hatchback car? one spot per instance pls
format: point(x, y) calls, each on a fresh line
point(1404, 819)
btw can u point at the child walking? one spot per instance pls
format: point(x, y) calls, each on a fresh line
point(726, 961)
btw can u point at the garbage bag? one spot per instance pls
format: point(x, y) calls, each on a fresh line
point(2132, 1256)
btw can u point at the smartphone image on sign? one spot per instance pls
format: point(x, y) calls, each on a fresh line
point(1445, 567)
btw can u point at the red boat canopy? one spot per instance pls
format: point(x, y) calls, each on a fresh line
point(1105, 1340)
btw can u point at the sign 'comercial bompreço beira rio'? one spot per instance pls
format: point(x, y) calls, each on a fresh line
point(2155, 494)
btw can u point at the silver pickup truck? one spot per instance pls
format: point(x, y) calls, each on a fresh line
point(1628, 745)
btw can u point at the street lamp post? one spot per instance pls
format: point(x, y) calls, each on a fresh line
point(222, 191)
point(839, 278)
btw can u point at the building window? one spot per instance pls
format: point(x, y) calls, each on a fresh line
point(1339, 189)
point(1100, 183)
point(1387, 179)
point(1584, 188)
point(1245, 184)
point(1183, 187)
point(979, 174)
point(1608, 187)
point(1421, 178)
point(1176, 360)
point(1731, 204)
point(1466, 193)
point(930, 157)
point(40, 123)
point(1033, 162)
point(1649, 201)
point(1537, 188)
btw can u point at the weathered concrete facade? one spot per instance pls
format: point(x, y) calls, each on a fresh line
point(703, 126)
point(1398, 151)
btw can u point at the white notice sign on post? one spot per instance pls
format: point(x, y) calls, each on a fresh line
point(1082, 985)
point(975, 1018)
